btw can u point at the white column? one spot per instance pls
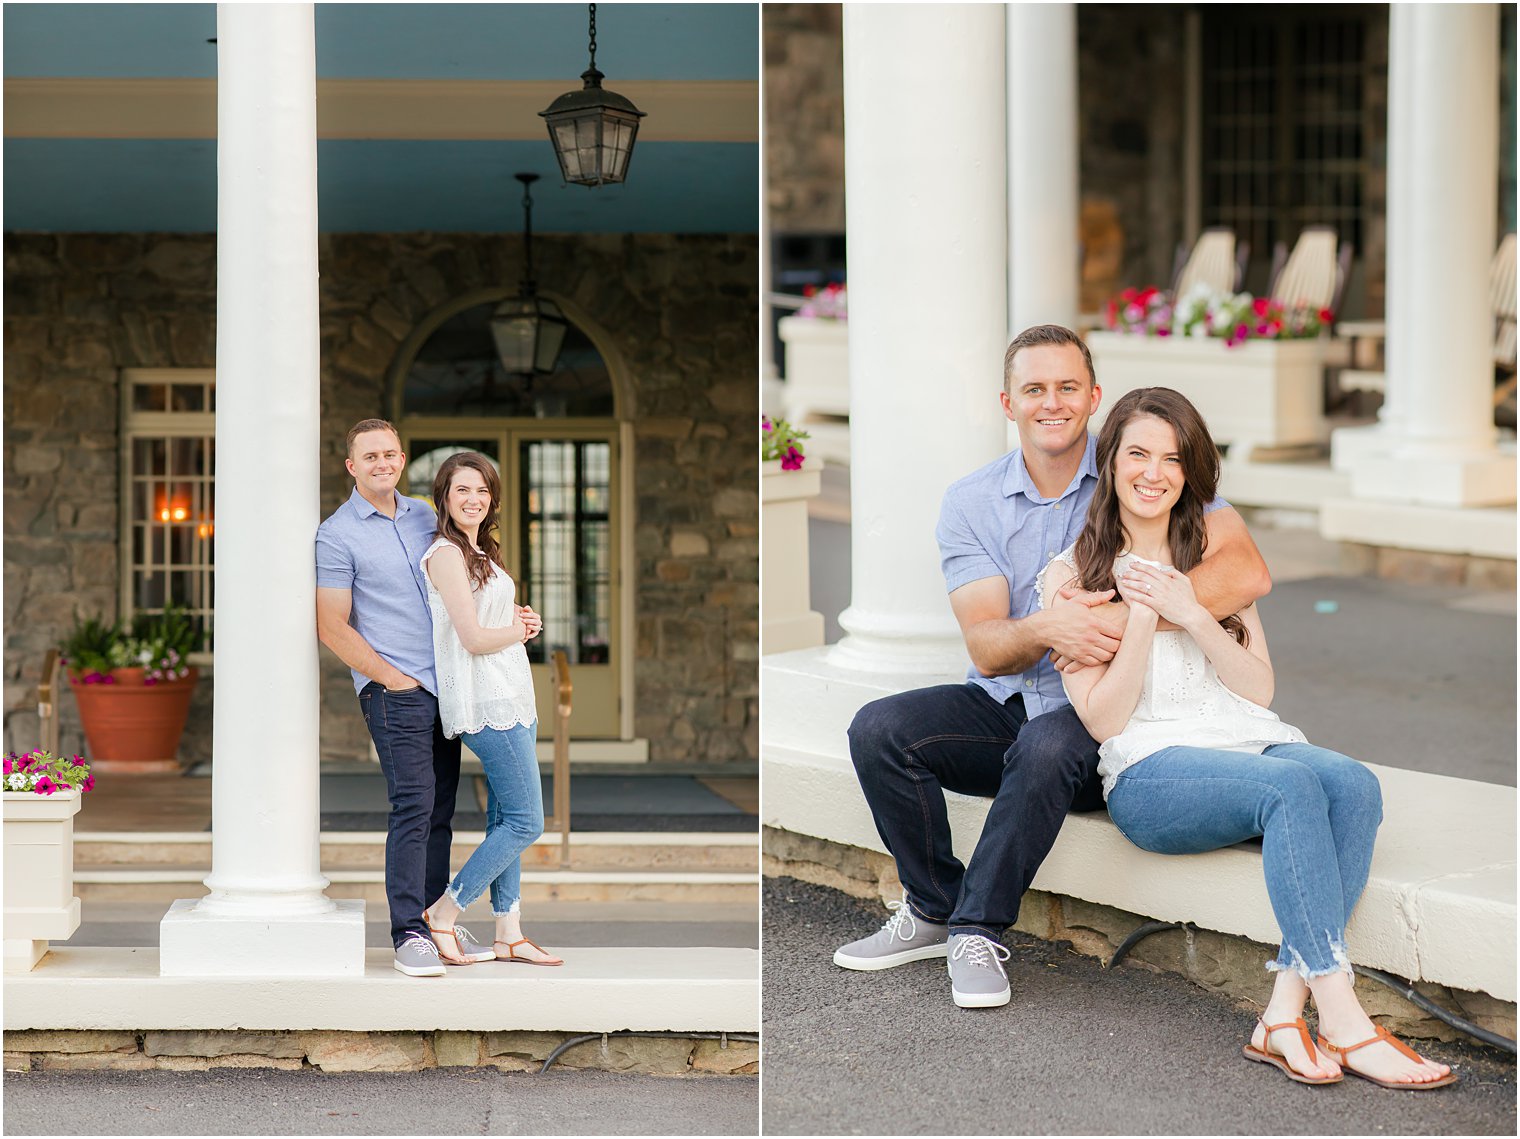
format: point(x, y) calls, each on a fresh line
point(1437, 445)
point(266, 913)
point(926, 215)
point(1043, 182)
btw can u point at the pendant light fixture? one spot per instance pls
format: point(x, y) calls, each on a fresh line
point(529, 330)
point(592, 129)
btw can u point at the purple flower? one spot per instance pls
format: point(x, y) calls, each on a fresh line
point(88, 784)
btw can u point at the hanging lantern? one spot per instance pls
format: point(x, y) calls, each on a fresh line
point(529, 330)
point(592, 129)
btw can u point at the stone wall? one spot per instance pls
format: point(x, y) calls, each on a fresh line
point(804, 117)
point(679, 310)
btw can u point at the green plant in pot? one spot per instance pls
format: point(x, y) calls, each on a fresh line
point(133, 686)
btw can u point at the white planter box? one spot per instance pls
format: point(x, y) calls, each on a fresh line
point(817, 367)
point(39, 874)
point(787, 620)
point(1263, 393)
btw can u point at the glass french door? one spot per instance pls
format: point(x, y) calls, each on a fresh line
point(558, 532)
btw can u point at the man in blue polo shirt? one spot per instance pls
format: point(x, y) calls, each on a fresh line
point(1008, 733)
point(372, 611)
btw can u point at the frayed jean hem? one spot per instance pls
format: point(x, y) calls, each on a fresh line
point(1297, 964)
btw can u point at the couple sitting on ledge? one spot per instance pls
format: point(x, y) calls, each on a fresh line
point(1106, 594)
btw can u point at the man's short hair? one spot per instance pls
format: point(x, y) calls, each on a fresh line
point(1041, 335)
point(364, 425)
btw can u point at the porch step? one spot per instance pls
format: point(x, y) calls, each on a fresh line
point(164, 884)
point(736, 853)
point(598, 990)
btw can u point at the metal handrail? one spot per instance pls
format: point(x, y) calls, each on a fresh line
point(47, 701)
point(560, 820)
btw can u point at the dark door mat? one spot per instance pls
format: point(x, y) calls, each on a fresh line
point(476, 821)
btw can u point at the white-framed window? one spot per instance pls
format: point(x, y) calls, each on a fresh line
point(168, 493)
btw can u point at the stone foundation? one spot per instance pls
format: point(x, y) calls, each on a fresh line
point(331, 1051)
point(1219, 962)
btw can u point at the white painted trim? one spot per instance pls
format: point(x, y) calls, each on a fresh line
point(496, 110)
point(370, 838)
point(599, 990)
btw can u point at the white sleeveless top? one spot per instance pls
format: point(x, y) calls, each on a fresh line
point(492, 690)
point(1182, 702)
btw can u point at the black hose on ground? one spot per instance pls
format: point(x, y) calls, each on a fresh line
point(725, 1037)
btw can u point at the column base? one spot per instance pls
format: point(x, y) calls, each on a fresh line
point(194, 944)
point(22, 955)
point(1482, 480)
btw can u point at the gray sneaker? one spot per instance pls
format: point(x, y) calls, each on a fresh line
point(417, 956)
point(906, 937)
point(471, 948)
point(977, 979)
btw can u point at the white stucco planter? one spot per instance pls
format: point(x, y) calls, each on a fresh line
point(817, 366)
point(39, 874)
point(1263, 393)
point(787, 620)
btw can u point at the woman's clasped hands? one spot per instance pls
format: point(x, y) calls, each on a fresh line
point(1163, 590)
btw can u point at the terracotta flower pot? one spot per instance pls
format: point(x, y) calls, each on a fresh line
point(131, 725)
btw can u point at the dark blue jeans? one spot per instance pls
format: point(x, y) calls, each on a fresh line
point(421, 777)
point(909, 748)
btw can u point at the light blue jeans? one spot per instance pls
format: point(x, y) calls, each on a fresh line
point(514, 817)
point(1317, 813)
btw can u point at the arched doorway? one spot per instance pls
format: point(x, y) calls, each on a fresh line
point(560, 444)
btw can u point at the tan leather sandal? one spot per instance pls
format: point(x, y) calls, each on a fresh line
point(513, 955)
point(449, 956)
point(1385, 1037)
point(1265, 1054)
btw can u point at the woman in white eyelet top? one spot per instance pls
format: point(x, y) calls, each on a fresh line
point(1182, 699)
point(475, 691)
point(485, 695)
point(1192, 758)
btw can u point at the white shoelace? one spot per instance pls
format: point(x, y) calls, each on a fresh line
point(461, 935)
point(983, 952)
point(428, 948)
point(901, 925)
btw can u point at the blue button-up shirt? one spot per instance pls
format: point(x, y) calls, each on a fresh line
point(995, 521)
point(380, 560)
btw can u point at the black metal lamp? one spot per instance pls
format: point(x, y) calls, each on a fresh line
point(592, 129)
point(529, 330)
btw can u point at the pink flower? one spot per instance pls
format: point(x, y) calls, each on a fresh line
point(88, 784)
point(10, 765)
point(24, 762)
point(792, 460)
point(45, 786)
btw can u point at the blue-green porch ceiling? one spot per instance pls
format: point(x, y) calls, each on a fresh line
point(398, 41)
point(383, 185)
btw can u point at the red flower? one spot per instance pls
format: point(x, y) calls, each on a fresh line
point(1260, 305)
point(1326, 316)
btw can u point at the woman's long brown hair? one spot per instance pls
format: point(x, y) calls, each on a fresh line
point(1104, 538)
point(477, 564)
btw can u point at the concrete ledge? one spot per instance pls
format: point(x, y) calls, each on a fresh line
point(597, 990)
point(1440, 904)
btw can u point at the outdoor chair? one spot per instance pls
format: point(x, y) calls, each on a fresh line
point(1315, 274)
point(1215, 260)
